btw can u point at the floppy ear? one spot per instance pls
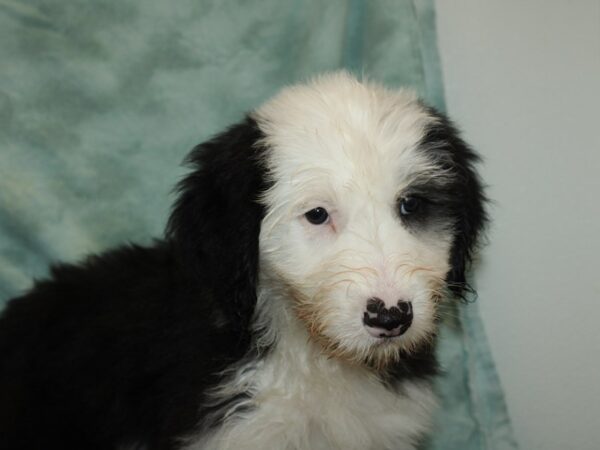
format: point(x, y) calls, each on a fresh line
point(467, 198)
point(215, 222)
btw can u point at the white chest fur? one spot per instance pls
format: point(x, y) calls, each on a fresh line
point(301, 399)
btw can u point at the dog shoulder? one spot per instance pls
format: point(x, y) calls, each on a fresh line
point(123, 341)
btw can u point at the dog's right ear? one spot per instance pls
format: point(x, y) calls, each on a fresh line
point(215, 222)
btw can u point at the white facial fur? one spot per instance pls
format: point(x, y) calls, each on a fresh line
point(351, 148)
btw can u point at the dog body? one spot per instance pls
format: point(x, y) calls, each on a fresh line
point(292, 303)
point(304, 400)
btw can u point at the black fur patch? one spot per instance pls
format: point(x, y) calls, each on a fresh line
point(215, 223)
point(418, 365)
point(122, 348)
point(460, 201)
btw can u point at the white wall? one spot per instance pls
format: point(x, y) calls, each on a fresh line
point(522, 80)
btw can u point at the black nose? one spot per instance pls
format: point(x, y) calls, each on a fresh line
point(397, 318)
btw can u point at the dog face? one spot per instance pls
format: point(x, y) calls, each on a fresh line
point(369, 211)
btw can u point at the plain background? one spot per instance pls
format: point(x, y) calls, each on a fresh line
point(522, 80)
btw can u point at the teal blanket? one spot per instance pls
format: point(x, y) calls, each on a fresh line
point(100, 101)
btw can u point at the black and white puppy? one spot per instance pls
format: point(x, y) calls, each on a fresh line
point(291, 304)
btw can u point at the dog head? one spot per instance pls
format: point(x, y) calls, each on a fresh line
point(356, 208)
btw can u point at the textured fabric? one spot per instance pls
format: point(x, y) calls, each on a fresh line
point(101, 100)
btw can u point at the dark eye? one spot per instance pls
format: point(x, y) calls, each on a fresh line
point(409, 205)
point(317, 216)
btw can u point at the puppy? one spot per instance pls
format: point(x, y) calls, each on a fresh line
point(290, 305)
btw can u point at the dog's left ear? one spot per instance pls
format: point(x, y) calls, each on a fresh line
point(467, 197)
point(215, 222)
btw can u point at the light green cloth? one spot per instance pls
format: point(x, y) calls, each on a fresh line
point(100, 101)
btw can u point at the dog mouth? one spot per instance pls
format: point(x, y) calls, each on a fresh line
point(387, 334)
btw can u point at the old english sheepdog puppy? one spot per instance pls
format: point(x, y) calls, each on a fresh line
point(290, 305)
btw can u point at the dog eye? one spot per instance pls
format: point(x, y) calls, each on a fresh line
point(317, 216)
point(409, 205)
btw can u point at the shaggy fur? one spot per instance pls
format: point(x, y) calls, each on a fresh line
point(291, 304)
